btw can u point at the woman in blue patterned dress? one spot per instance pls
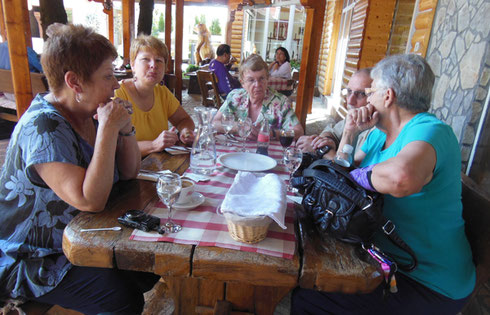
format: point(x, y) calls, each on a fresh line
point(64, 156)
point(259, 102)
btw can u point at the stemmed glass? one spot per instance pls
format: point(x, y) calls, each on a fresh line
point(292, 158)
point(228, 123)
point(286, 138)
point(244, 130)
point(169, 186)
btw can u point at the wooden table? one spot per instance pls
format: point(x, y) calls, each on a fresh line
point(199, 276)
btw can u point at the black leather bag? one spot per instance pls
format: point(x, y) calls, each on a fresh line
point(341, 208)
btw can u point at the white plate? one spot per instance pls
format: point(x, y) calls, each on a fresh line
point(251, 162)
point(196, 200)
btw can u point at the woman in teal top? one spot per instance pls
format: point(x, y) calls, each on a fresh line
point(415, 161)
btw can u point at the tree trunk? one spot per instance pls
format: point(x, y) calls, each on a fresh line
point(145, 20)
point(52, 11)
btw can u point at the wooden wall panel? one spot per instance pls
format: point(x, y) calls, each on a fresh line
point(328, 47)
point(236, 35)
point(421, 27)
point(377, 32)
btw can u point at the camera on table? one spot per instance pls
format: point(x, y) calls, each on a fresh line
point(142, 221)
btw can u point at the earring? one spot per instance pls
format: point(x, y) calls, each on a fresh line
point(78, 98)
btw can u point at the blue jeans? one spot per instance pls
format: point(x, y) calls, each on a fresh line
point(412, 298)
point(101, 290)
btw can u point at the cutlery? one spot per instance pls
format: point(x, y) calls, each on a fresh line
point(114, 228)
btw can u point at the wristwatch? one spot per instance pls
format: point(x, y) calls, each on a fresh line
point(320, 152)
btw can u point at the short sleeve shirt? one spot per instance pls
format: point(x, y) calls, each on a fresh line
point(149, 125)
point(33, 217)
point(429, 221)
point(276, 108)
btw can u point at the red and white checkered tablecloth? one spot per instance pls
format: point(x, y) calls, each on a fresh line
point(202, 226)
point(279, 84)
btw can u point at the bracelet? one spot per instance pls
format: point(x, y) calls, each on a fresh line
point(129, 134)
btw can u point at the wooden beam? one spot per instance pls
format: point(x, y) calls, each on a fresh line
point(110, 17)
point(315, 11)
point(27, 31)
point(179, 34)
point(16, 29)
point(168, 34)
point(3, 30)
point(128, 27)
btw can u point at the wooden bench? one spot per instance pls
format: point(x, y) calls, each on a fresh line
point(476, 213)
point(38, 82)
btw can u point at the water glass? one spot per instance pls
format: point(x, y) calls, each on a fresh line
point(169, 186)
point(292, 158)
point(228, 123)
point(244, 130)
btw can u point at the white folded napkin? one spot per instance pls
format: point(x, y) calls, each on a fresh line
point(252, 194)
point(176, 150)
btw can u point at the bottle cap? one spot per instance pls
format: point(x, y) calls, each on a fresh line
point(348, 149)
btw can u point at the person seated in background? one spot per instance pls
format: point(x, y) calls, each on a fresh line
point(281, 66)
point(65, 154)
point(259, 102)
point(325, 144)
point(154, 104)
point(221, 66)
point(32, 56)
point(414, 160)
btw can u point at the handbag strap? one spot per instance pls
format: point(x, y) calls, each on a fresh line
point(388, 228)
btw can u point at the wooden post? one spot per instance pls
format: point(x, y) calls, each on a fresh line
point(16, 30)
point(168, 33)
point(128, 26)
point(179, 33)
point(27, 30)
point(3, 30)
point(110, 18)
point(315, 11)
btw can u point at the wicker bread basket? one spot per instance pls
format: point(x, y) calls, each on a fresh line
point(251, 230)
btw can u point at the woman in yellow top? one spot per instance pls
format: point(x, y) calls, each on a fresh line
point(154, 104)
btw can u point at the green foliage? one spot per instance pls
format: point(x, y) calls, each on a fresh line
point(295, 64)
point(191, 68)
point(215, 28)
point(200, 19)
point(161, 23)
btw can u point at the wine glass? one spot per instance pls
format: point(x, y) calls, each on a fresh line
point(286, 138)
point(228, 123)
point(169, 186)
point(292, 158)
point(244, 130)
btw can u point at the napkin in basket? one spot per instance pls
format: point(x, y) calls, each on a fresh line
point(253, 194)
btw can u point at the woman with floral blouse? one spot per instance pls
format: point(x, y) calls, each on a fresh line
point(259, 102)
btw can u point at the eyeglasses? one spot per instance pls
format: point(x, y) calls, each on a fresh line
point(370, 91)
point(250, 81)
point(357, 94)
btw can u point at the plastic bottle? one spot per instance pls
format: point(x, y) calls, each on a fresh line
point(263, 139)
point(344, 156)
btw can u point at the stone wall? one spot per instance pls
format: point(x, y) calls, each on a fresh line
point(459, 55)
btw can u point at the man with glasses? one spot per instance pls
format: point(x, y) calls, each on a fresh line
point(325, 145)
point(221, 66)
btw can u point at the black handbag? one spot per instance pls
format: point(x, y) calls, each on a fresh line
point(341, 208)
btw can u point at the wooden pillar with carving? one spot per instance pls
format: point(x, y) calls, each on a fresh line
point(179, 34)
point(128, 27)
point(14, 13)
point(315, 11)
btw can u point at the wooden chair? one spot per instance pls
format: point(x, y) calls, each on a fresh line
point(38, 82)
point(209, 88)
point(170, 81)
point(476, 213)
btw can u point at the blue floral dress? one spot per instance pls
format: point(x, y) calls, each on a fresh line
point(33, 217)
point(276, 108)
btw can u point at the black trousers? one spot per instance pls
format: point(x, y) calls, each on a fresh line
point(412, 299)
point(101, 291)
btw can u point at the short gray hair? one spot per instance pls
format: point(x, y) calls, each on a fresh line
point(253, 63)
point(410, 76)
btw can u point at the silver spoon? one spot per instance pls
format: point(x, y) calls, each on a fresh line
point(115, 228)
